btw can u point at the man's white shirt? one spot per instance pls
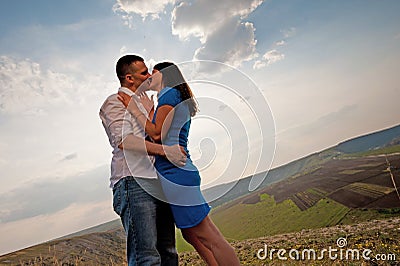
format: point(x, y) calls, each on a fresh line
point(119, 123)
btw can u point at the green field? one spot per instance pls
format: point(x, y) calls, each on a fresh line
point(355, 216)
point(387, 150)
point(266, 218)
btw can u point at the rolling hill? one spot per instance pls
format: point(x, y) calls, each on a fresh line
point(381, 142)
point(340, 191)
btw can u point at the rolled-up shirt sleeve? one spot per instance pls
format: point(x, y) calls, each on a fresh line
point(116, 121)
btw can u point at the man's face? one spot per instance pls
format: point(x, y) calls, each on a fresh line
point(140, 73)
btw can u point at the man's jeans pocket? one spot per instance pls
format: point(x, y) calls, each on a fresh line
point(117, 204)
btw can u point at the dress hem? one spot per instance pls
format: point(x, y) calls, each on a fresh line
point(195, 223)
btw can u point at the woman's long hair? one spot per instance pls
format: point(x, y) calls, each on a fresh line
point(172, 77)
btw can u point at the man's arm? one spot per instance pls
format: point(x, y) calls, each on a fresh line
point(175, 153)
point(121, 135)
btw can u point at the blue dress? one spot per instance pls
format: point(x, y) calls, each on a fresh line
point(181, 185)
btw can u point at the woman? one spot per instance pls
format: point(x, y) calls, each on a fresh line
point(170, 125)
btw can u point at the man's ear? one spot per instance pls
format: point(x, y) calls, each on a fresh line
point(129, 77)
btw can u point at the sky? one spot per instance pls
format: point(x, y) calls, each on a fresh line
point(275, 80)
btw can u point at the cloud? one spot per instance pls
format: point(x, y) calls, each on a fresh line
point(123, 50)
point(274, 55)
point(142, 8)
point(44, 197)
point(23, 85)
point(290, 32)
point(232, 43)
point(27, 88)
point(69, 157)
point(221, 26)
point(280, 43)
point(189, 18)
point(269, 58)
point(259, 64)
point(225, 35)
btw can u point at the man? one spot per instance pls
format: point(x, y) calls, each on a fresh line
point(147, 221)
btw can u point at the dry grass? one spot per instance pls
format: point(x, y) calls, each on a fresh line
point(380, 236)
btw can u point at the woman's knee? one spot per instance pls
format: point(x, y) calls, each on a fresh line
point(205, 231)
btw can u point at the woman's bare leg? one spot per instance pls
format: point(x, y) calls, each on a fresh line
point(203, 251)
point(209, 235)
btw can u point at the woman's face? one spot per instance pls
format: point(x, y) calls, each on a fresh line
point(156, 80)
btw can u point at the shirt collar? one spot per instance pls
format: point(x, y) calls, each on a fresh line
point(127, 91)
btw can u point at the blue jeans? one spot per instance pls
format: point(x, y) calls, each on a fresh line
point(148, 224)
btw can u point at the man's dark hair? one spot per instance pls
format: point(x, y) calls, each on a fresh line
point(123, 65)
